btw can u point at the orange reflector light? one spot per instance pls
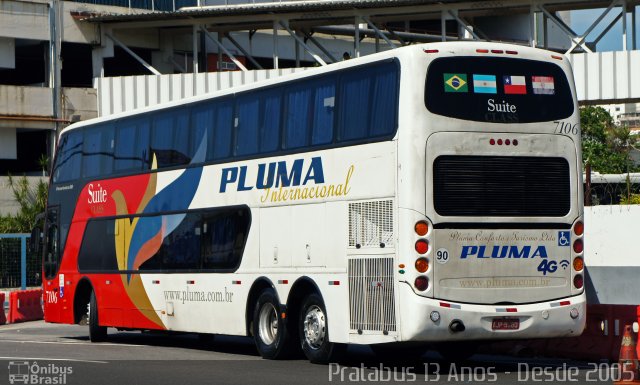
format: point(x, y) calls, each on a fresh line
point(578, 281)
point(401, 265)
point(422, 246)
point(422, 265)
point(421, 283)
point(578, 264)
point(578, 229)
point(556, 57)
point(482, 51)
point(578, 246)
point(421, 228)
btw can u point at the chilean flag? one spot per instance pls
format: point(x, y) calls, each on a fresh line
point(515, 85)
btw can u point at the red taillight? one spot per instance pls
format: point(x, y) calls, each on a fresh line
point(578, 229)
point(578, 281)
point(511, 52)
point(421, 283)
point(421, 228)
point(578, 246)
point(430, 51)
point(422, 246)
point(482, 51)
point(497, 51)
point(492, 142)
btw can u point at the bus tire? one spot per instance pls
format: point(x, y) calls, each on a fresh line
point(313, 327)
point(270, 333)
point(97, 333)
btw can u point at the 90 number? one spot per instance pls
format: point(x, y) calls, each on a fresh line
point(442, 256)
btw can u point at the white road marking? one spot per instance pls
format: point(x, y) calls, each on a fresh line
point(52, 359)
point(71, 343)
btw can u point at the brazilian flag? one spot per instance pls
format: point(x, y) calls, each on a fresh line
point(455, 83)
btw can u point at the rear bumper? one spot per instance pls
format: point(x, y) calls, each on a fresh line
point(539, 320)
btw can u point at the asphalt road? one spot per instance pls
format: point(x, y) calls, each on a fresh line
point(62, 354)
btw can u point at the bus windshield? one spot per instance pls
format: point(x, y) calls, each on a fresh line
point(498, 90)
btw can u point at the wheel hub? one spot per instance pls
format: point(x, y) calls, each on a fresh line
point(268, 324)
point(315, 330)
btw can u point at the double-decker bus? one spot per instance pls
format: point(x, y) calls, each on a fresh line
point(431, 193)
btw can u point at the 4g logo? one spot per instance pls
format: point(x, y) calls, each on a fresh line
point(547, 266)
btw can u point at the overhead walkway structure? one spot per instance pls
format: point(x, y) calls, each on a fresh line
point(601, 77)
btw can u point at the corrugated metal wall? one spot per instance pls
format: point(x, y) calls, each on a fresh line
point(607, 77)
point(603, 77)
point(119, 94)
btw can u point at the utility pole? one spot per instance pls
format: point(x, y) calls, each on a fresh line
point(55, 68)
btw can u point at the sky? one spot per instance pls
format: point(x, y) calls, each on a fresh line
point(612, 41)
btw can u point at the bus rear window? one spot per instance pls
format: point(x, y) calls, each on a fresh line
point(498, 90)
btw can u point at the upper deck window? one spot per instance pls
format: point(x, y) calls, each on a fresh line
point(498, 90)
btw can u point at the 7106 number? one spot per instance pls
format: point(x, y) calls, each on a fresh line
point(566, 128)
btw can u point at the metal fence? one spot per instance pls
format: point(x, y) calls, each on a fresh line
point(612, 189)
point(19, 268)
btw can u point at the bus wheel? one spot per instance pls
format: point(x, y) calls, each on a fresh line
point(97, 333)
point(314, 332)
point(269, 329)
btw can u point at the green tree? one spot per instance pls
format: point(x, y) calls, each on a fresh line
point(605, 145)
point(32, 201)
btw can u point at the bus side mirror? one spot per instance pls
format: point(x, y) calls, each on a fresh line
point(34, 241)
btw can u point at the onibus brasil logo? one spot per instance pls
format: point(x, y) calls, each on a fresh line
point(24, 372)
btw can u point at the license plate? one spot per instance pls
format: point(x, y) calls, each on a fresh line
point(505, 324)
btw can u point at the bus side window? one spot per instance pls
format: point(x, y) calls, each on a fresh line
point(368, 102)
point(180, 249)
point(202, 119)
point(384, 102)
point(269, 130)
point(69, 161)
point(246, 125)
point(354, 106)
point(222, 137)
point(298, 109)
point(132, 145)
point(323, 108)
point(97, 158)
point(224, 235)
point(214, 119)
point(170, 138)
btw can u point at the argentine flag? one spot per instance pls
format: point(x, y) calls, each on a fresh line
point(484, 84)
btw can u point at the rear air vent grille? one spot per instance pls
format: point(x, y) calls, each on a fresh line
point(371, 224)
point(501, 186)
point(371, 297)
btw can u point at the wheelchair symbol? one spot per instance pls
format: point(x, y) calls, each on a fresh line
point(564, 238)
